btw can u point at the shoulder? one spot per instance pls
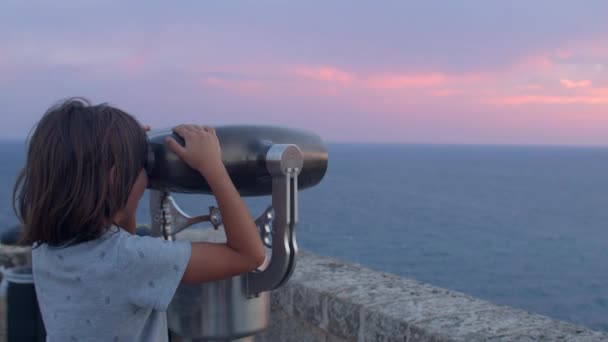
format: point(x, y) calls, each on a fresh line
point(132, 243)
point(146, 248)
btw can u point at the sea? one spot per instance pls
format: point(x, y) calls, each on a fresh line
point(524, 226)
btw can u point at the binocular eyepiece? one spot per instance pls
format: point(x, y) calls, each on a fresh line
point(245, 150)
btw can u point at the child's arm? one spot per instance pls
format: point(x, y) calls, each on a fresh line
point(243, 250)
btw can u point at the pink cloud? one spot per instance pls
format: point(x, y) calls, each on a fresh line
point(536, 62)
point(397, 81)
point(551, 99)
point(374, 80)
point(574, 84)
point(324, 73)
point(564, 54)
point(528, 82)
point(600, 92)
point(446, 92)
point(530, 87)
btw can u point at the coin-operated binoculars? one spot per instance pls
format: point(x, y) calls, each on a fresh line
point(261, 160)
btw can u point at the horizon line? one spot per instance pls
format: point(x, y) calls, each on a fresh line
point(414, 143)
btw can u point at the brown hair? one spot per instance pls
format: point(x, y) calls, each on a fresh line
point(65, 193)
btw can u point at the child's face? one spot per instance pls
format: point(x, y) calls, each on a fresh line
point(128, 221)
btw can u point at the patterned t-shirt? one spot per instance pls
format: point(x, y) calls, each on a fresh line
point(115, 288)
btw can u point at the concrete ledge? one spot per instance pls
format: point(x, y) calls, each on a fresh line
point(331, 300)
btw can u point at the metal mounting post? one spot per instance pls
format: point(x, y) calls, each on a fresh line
point(284, 162)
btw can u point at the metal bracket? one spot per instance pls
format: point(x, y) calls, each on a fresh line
point(168, 219)
point(284, 163)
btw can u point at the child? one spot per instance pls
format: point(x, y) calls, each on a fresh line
point(77, 197)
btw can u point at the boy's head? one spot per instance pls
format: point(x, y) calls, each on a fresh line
point(82, 164)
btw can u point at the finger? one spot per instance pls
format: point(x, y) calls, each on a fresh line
point(209, 129)
point(192, 128)
point(175, 147)
point(177, 128)
point(182, 131)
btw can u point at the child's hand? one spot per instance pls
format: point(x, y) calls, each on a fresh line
point(202, 149)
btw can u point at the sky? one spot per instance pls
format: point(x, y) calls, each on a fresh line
point(448, 72)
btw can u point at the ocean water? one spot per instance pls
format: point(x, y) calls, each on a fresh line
point(520, 226)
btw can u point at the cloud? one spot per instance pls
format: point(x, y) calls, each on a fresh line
point(325, 74)
point(601, 92)
point(564, 54)
point(574, 84)
point(373, 80)
point(552, 99)
point(446, 92)
point(531, 87)
point(396, 81)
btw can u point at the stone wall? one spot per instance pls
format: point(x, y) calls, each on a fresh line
point(331, 300)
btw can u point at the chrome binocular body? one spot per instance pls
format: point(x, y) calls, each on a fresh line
point(261, 161)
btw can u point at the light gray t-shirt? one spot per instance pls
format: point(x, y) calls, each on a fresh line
point(115, 288)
